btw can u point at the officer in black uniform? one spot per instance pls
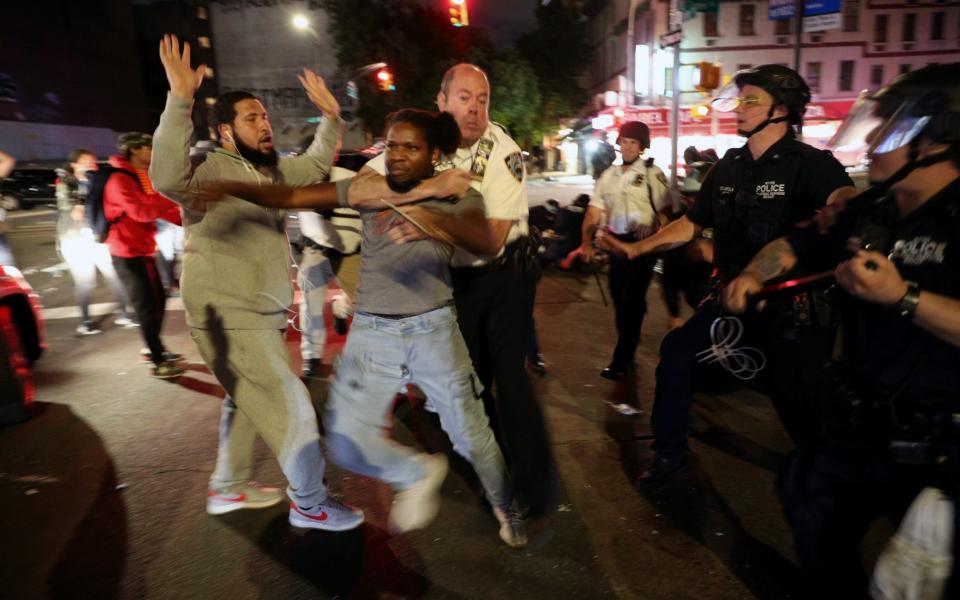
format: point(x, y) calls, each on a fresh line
point(896, 249)
point(754, 195)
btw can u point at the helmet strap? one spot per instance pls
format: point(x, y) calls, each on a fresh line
point(914, 164)
point(770, 119)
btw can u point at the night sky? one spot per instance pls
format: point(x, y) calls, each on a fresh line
point(504, 19)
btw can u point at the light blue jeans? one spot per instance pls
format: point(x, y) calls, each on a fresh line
point(381, 356)
point(313, 276)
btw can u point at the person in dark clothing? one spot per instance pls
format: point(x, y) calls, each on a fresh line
point(755, 194)
point(891, 431)
point(133, 214)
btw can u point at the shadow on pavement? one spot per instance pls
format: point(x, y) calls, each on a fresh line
point(63, 504)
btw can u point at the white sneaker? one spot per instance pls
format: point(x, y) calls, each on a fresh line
point(245, 496)
point(87, 329)
point(331, 515)
point(417, 506)
point(125, 322)
point(513, 531)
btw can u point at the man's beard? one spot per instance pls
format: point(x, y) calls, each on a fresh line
point(258, 158)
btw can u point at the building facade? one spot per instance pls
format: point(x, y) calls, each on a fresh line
point(871, 43)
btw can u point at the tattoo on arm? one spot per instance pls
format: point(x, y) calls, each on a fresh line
point(776, 258)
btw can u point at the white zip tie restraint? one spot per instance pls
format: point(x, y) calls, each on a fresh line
point(743, 363)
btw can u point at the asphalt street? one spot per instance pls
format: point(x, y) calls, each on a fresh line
point(102, 493)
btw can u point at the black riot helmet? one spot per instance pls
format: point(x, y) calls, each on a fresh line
point(922, 104)
point(784, 85)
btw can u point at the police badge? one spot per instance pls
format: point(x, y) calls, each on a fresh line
point(515, 165)
point(639, 179)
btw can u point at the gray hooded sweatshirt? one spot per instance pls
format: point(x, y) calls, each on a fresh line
point(236, 256)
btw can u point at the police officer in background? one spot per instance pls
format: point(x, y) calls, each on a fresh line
point(754, 195)
point(630, 198)
point(494, 295)
point(896, 249)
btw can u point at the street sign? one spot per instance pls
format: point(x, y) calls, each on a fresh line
point(820, 7)
point(821, 22)
point(781, 10)
point(671, 38)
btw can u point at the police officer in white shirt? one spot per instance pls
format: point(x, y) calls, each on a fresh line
point(494, 295)
point(630, 198)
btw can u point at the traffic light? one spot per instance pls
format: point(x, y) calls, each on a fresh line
point(385, 80)
point(458, 13)
point(700, 111)
point(707, 76)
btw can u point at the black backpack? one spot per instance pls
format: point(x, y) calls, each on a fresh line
point(96, 183)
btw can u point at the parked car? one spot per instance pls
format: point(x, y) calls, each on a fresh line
point(30, 186)
point(22, 341)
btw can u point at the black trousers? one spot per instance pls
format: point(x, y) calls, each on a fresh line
point(629, 281)
point(142, 280)
point(495, 314)
point(794, 377)
point(831, 491)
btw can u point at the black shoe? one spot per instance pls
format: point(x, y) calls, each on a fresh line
point(537, 365)
point(662, 470)
point(340, 326)
point(311, 368)
point(613, 374)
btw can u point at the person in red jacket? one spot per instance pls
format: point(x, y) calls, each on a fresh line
point(133, 211)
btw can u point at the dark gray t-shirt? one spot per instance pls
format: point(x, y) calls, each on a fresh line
point(410, 278)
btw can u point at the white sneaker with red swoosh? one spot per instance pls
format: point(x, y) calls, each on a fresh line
point(331, 515)
point(244, 496)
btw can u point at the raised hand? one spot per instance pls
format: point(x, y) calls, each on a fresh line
point(318, 93)
point(183, 80)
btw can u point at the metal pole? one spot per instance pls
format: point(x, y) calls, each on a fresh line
point(675, 105)
point(631, 35)
point(798, 40)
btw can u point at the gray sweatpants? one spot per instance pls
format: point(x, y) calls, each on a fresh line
point(264, 396)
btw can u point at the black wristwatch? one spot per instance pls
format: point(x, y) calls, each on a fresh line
point(907, 306)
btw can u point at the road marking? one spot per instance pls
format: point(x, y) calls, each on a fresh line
point(97, 310)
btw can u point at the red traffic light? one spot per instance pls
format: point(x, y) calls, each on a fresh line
point(385, 80)
point(458, 13)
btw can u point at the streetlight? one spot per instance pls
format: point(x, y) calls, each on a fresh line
point(301, 22)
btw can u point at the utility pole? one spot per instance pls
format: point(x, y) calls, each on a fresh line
point(631, 35)
point(676, 22)
point(798, 40)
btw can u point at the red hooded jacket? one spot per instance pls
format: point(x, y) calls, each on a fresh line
point(133, 234)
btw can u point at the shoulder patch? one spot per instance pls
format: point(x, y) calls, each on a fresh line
point(514, 163)
point(662, 178)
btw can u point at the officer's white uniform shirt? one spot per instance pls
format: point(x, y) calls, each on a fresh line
point(340, 232)
point(624, 196)
point(503, 186)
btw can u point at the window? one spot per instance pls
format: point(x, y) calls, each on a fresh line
point(880, 29)
point(203, 41)
point(909, 26)
point(746, 19)
point(208, 73)
point(202, 13)
point(845, 82)
point(783, 27)
point(851, 15)
point(710, 25)
point(813, 77)
point(904, 69)
point(936, 26)
point(876, 77)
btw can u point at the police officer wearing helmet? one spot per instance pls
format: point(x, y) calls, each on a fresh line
point(754, 195)
point(896, 250)
point(630, 198)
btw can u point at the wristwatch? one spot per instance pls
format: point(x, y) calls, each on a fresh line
point(907, 306)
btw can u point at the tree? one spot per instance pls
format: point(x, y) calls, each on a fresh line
point(416, 41)
point(515, 98)
point(558, 52)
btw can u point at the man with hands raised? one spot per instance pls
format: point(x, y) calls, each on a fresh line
point(236, 289)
